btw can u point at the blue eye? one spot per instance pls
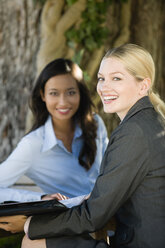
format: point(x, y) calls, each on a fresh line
point(116, 78)
point(100, 79)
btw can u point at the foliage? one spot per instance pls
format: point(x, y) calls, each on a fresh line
point(11, 241)
point(70, 2)
point(39, 1)
point(91, 32)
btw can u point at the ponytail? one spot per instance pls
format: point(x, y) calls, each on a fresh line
point(158, 104)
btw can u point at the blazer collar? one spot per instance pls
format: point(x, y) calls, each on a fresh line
point(143, 103)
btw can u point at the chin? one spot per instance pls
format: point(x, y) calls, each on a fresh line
point(107, 110)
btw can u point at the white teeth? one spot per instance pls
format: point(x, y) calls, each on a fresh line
point(106, 98)
point(63, 110)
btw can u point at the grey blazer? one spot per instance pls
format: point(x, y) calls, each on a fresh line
point(131, 185)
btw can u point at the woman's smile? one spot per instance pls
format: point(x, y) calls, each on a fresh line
point(109, 98)
point(63, 111)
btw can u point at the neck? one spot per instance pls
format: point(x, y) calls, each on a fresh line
point(63, 126)
point(64, 130)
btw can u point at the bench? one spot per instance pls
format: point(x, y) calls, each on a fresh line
point(26, 183)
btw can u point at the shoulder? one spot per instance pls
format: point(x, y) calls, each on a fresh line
point(98, 119)
point(132, 127)
point(101, 128)
point(139, 128)
point(126, 141)
point(127, 132)
point(145, 123)
point(34, 138)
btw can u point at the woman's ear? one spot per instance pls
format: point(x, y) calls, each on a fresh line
point(42, 95)
point(145, 86)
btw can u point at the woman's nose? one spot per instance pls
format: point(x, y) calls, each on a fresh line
point(104, 85)
point(62, 100)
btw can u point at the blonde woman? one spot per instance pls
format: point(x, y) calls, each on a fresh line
point(131, 183)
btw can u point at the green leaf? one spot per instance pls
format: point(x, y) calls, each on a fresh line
point(78, 56)
point(70, 2)
point(87, 78)
point(39, 1)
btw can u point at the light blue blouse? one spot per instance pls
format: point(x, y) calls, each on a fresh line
point(43, 158)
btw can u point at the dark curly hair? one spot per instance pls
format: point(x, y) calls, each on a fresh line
point(84, 115)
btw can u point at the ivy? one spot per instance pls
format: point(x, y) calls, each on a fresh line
point(42, 2)
point(91, 33)
point(70, 2)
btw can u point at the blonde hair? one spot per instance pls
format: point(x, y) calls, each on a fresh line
point(139, 63)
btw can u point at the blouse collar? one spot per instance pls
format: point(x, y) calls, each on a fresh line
point(49, 137)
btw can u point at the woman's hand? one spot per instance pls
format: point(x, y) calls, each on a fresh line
point(57, 196)
point(13, 224)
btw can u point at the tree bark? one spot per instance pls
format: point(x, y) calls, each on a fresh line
point(147, 30)
point(55, 21)
point(19, 36)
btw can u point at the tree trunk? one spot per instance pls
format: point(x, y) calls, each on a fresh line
point(147, 30)
point(19, 35)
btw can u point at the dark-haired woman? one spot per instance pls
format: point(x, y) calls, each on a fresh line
point(63, 151)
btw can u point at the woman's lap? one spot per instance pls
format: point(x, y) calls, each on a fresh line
point(27, 243)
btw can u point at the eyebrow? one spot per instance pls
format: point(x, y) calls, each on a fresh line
point(72, 88)
point(112, 73)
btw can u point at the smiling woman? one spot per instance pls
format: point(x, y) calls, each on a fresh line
point(63, 150)
point(118, 89)
point(131, 184)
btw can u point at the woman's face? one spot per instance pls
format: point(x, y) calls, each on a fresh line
point(118, 89)
point(61, 96)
